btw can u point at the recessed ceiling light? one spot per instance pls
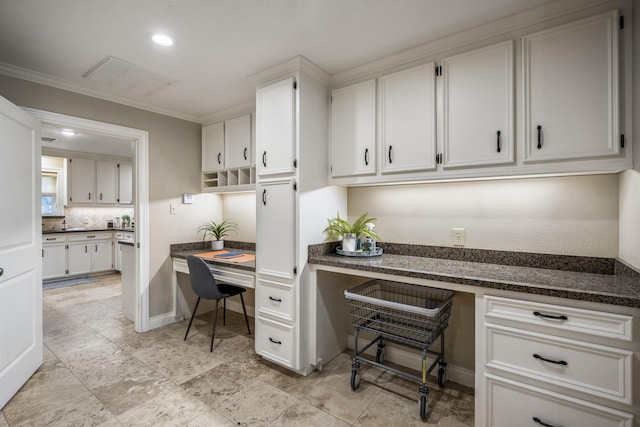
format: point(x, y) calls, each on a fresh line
point(68, 132)
point(162, 39)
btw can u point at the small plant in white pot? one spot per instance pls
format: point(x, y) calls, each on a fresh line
point(339, 229)
point(218, 231)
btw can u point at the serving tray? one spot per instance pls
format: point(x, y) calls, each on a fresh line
point(376, 252)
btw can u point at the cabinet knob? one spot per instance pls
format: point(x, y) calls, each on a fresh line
point(498, 142)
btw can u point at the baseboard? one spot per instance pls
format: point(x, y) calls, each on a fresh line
point(406, 358)
point(161, 320)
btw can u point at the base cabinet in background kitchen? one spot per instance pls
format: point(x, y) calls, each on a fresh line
point(72, 254)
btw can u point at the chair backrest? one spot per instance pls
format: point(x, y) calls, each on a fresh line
point(202, 281)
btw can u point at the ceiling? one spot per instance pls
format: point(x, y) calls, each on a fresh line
point(218, 43)
point(83, 142)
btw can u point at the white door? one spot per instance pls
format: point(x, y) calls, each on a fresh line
point(106, 181)
point(102, 255)
point(20, 246)
point(80, 258)
point(237, 137)
point(213, 147)
point(125, 183)
point(82, 181)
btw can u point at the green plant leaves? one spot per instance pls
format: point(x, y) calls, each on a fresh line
point(218, 230)
point(338, 227)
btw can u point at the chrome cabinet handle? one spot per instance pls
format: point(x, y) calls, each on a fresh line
point(274, 341)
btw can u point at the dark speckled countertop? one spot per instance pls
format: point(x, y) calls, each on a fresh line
point(602, 280)
point(183, 250)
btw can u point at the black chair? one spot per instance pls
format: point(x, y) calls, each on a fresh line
point(204, 285)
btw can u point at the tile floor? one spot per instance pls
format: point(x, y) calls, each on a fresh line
point(98, 372)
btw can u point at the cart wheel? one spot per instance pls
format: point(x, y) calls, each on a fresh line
point(380, 355)
point(423, 407)
point(355, 379)
point(442, 377)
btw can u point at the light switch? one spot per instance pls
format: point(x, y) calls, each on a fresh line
point(172, 209)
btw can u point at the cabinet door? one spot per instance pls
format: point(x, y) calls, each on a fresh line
point(213, 147)
point(54, 261)
point(353, 130)
point(570, 95)
point(275, 128)
point(125, 183)
point(408, 120)
point(275, 229)
point(478, 107)
point(80, 258)
point(101, 255)
point(237, 137)
point(106, 182)
point(82, 180)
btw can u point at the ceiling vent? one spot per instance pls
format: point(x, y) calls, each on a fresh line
point(126, 76)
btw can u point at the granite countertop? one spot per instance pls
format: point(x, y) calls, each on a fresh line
point(183, 250)
point(580, 278)
point(84, 230)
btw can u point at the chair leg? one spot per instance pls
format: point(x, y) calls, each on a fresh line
point(246, 318)
point(192, 316)
point(215, 320)
point(224, 311)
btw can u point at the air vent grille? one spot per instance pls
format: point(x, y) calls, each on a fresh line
point(129, 77)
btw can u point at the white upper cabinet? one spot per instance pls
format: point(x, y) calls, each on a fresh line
point(408, 120)
point(478, 107)
point(275, 129)
point(353, 130)
point(237, 138)
point(125, 183)
point(82, 181)
point(570, 92)
point(213, 147)
point(106, 182)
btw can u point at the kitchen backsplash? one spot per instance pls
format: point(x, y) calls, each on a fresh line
point(95, 217)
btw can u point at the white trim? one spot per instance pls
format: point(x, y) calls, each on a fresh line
point(248, 107)
point(141, 158)
point(161, 320)
point(45, 79)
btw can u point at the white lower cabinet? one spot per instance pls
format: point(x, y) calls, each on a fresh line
point(510, 403)
point(79, 258)
point(54, 258)
point(551, 365)
point(275, 341)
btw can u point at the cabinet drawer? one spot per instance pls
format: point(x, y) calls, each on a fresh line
point(276, 299)
point(275, 341)
point(55, 238)
point(587, 322)
point(588, 368)
point(510, 403)
point(90, 236)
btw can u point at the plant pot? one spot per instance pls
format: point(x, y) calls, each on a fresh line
point(217, 244)
point(349, 242)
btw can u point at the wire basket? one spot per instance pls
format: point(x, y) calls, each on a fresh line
point(409, 314)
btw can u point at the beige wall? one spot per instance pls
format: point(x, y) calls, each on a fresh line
point(563, 215)
point(174, 168)
point(241, 208)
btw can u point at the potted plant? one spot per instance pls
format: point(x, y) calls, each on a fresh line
point(218, 231)
point(339, 229)
point(125, 220)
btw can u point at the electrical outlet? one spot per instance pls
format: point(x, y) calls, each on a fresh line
point(172, 209)
point(457, 236)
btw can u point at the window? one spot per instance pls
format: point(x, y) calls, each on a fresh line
point(51, 194)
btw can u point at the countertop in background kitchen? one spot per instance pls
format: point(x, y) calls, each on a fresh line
point(84, 230)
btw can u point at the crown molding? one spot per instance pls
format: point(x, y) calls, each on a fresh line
point(47, 80)
point(248, 107)
point(293, 65)
point(493, 30)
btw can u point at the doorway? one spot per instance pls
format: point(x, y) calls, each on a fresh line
point(140, 160)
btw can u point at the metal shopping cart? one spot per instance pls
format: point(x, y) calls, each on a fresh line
point(410, 315)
